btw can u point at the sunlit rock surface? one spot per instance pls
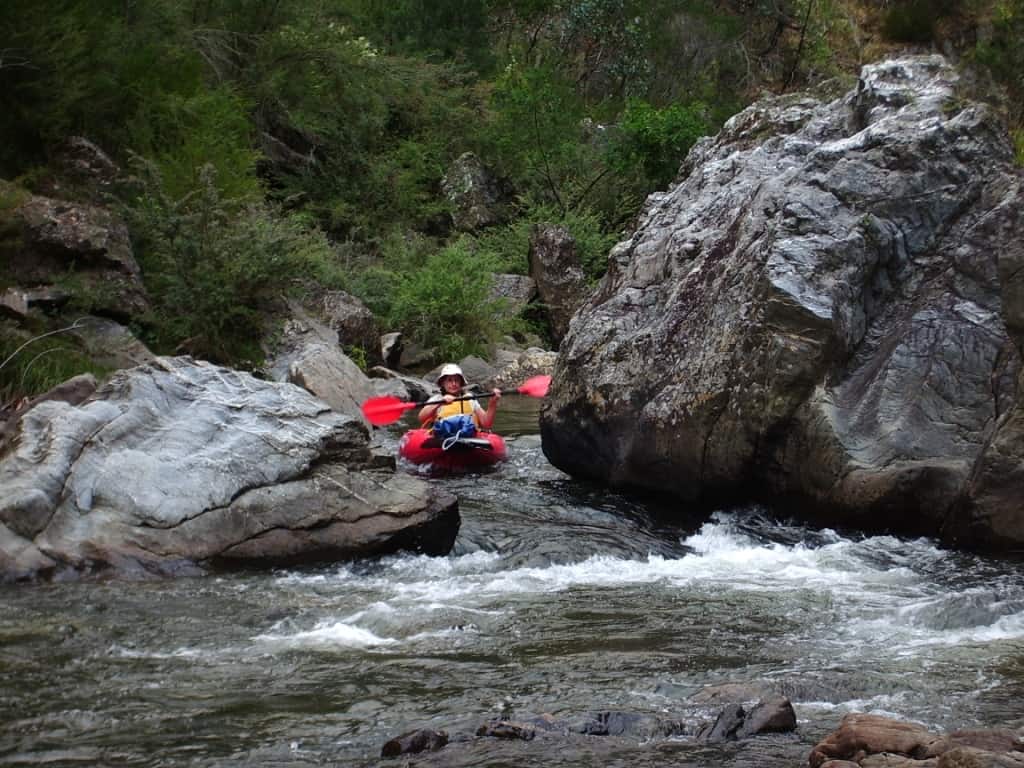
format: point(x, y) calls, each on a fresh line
point(815, 314)
point(177, 465)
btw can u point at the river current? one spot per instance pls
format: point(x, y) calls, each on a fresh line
point(559, 598)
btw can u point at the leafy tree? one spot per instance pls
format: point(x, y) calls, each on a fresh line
point(213, 268)
point(537, 135)
point(455, 30)
point(1002, 54)
point(444, 304)
point(652, 142)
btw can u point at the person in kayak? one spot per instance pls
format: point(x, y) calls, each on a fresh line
point(441, 406)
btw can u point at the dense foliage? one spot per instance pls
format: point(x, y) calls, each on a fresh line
point(308, 140)
point(214, 266)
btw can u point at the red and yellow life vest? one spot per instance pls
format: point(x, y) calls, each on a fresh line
point(454, 409)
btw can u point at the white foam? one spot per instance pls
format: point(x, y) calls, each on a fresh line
point(328, 636)
point(874, 590)
point(179, 653)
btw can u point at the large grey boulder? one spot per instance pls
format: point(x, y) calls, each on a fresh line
point(514, 366)
point(180, 464)
point(81, 170)
point(512, 293)
point(110, 344)
point(991, 512)
point(815, 313)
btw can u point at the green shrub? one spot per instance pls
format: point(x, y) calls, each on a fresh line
point(12, 196)
point(508, 247)
point(207, 128)
point(910, 21)
point(213, 269)
point(358, 356)
point(1002, 53)
point(444, 304)
point(655, 141)
point(454, 29)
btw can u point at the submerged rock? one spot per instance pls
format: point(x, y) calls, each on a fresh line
point(818, 312)
point(422, 740)
point(178, 463)
point(725, 727)
point(506, 729)
point(774, 715)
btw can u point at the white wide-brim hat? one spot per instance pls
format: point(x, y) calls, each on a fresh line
point(451, 370)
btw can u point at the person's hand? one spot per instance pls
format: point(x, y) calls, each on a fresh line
point(449, 398)
point(497, 394)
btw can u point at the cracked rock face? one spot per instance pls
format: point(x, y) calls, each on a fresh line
point(814, 313)
point(91, 243)
point(178, 464)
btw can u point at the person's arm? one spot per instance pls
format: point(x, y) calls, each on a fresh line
point(429, 411)
point(486, 418)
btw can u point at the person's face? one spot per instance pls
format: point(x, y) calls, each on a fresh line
point(451, 384)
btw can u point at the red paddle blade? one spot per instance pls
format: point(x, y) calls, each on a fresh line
point(385, 410)
point(535, 386)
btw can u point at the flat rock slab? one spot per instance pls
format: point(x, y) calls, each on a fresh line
point(179, 464)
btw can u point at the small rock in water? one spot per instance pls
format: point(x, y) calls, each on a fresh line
point(609, 724)
point(421, 740)
point(506, 729)
point(725, 727)
point(773, 715)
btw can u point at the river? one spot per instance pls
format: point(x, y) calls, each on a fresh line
point(558, 599)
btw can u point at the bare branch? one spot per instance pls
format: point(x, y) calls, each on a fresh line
point(73, 327)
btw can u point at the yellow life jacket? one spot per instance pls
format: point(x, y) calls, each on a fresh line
point(454, 409)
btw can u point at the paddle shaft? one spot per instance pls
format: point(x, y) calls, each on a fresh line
point(384, 410)
point(481, 396)
point(462, 398)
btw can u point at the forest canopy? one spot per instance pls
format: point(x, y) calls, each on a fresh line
point(275, 144)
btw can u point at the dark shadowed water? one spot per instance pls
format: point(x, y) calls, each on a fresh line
point(558, 598)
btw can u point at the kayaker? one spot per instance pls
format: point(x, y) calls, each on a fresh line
point(451, 382)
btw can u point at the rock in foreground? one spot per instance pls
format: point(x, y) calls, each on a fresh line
point(873, 740)
point(180, 464)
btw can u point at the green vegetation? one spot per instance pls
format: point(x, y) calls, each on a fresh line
point(445, 302)
point(1001, 54)
point(214, 266)
point(36, 364)
point(911, 21)
point(11, 196)
point(307, 141)
point(652, 141)
point(507, 247)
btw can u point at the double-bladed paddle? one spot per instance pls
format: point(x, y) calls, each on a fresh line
point(387, 409)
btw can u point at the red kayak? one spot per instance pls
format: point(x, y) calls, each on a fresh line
point(421, 446)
